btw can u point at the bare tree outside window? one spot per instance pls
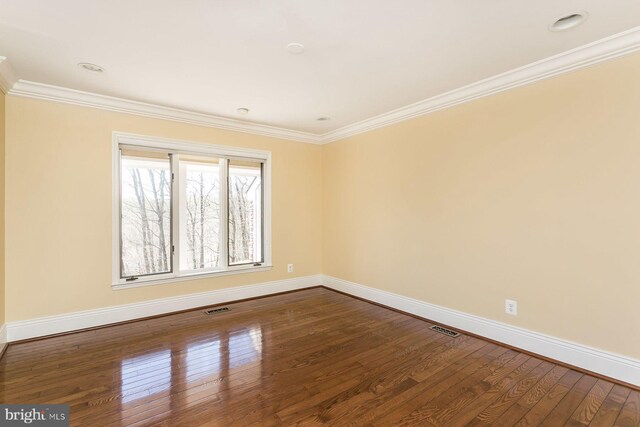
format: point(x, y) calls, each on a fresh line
point(145, 216)
point(245, 212)
point(205, 219)
point(200, 215)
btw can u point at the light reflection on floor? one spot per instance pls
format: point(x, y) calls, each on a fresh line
point(244, 346)
point(210, 366)
point(203, 359)
point(144, 375)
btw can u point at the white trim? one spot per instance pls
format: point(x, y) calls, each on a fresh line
point(266, 212)
point(93, 100)
point(115, 211)
point(43, 326)
point(7, 77)
point(3, 338)
point(593, 53)
point(223, 230)
point(165, 280)
point(176, 189)
point(3, 335)
point(602, 362)
point(195, 147)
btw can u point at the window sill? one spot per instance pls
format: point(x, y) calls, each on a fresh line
point(193, 276)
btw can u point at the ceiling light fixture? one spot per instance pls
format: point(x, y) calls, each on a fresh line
point(91, 67)
point(243, 111)
point(569, 21)
point(295, 48)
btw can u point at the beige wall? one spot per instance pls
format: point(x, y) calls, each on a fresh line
point(2, 170)
point(58, 207)
point(532, 194)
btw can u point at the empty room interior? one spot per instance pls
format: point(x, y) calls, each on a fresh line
point(278, 212)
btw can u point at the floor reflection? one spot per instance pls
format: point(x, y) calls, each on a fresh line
point(203, 359)
point(144, 375)
point(205, 371)
point(245, 346)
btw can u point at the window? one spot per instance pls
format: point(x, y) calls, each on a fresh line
point(186, 209)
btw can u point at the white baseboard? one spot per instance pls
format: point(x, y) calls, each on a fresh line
point(3, 334)
point(602, 362)
point(3, 337)
point(43, 326)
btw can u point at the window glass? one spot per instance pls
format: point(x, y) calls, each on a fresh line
point(199, 214)
point(145, 214)
point(185, 209)
point(245, 212)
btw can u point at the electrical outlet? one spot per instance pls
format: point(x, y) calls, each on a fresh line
point(511, 307)
point(289, 268)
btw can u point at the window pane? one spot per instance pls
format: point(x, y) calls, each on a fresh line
point(199, 213)
point(145, 214)
point(245, 212)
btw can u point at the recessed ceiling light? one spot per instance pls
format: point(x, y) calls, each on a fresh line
point(323, 119)
point(569, 21)
point(243, 111)
point(91, 67)
point(295, 48)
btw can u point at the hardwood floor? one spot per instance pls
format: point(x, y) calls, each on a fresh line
point(310, 357)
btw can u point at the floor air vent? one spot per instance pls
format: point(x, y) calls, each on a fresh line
point(217, 310)
point(445, 331)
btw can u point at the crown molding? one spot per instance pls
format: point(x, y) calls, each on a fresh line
point(87, 99)
point(593, 53)
point(7, 77)
point(590, 54)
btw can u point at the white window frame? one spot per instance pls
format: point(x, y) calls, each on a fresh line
point(196, 148)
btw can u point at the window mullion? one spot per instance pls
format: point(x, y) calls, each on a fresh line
point(224, 214)
point(175, 214)
point(117, 272)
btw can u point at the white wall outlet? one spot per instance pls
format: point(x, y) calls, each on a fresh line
point(289, 268)
point(511, 307)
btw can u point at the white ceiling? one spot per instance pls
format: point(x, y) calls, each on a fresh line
point(362, 57)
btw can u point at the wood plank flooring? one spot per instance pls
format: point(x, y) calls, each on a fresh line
point(311, 357)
